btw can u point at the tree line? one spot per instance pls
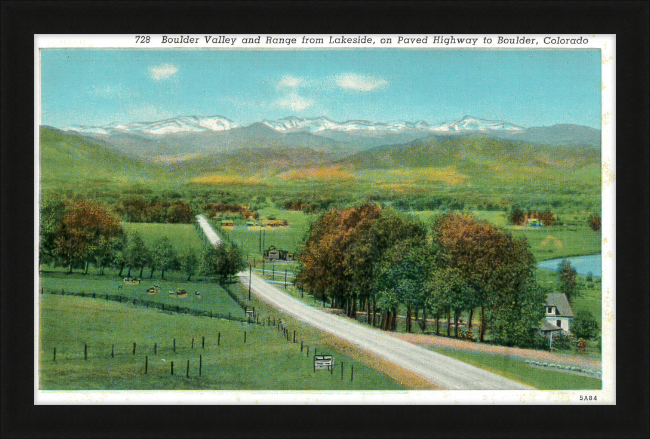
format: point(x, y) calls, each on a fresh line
point(79, 233)
point(381, 261)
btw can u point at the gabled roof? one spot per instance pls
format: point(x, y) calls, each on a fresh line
point(549, 327)
point(560, 301)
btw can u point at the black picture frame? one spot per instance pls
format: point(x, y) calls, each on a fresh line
point(21, 20)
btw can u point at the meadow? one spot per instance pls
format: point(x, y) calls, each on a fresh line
point(289, 238)
point(522, 372)
point(213, 297)
point(232, 356)
point(181, 236)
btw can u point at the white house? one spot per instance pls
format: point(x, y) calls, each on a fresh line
point(559, 314)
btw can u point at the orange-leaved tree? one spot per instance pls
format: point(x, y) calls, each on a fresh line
point(491, 261)
point(324, 260)
point(84, 229)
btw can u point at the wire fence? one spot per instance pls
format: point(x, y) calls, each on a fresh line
point(159, 305)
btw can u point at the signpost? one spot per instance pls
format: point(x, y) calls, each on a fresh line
point(325, 362)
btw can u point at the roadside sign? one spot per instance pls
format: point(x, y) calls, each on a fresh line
point(323, 362)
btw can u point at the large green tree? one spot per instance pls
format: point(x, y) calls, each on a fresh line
point(585, 325)
point(81, 229)
point(136, 254)
point(189, 262)
point(223, 262)
point(568, 277)
point(491, 261)
point(401, 279)
point(454, 294)
point(515, 320)
point(164, 256)
point(53, 208)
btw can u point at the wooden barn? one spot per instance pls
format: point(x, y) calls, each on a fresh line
point(273, 254)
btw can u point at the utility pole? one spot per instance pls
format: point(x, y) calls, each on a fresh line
point(250, 278)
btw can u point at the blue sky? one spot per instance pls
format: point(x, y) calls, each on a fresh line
point(524, 87)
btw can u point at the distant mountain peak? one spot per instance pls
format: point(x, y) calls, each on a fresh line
point(175, 125)
point(292, 124)
point(471, 123)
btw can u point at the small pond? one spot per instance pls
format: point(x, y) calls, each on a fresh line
point(582, 264)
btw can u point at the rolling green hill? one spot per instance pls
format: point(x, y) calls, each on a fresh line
point(72, 159)
point(472, 152)
point(476, 168)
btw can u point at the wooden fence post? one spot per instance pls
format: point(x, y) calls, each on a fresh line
point(55, 355)
point(203, 342)
point(352, 373)
point(219, 339)
point(146, 363)
point(112, 351)
point(200, 363)
point(294, 335)
point(174, 345)
point(341, 370)
point(192, 342)
point(85, 351)
point(172, 368)
point(133, 348)
point(188, 369)
point(300, 345)
point(244, 336)
point(155, 348)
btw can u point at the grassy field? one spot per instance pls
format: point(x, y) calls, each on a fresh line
point(288, 238)
point(265, 361)
point(327, 343)
point(182, 236)
point(559, 241)
point(520, 371)
point(213, 297)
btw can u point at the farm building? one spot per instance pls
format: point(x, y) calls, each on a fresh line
point(277, 223)
point(227, 224)
point(534, 222)
point(273, 254)
point(559, 314)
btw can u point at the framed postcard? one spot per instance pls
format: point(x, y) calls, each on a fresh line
point(381, 221)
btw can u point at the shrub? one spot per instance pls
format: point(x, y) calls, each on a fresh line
point(594, 223)
point(562, 343)
point(585, 325)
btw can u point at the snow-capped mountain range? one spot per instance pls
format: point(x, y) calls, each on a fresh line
point(318, 125)
point(176, 125)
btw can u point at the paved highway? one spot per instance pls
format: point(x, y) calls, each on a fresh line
point(446, 372)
